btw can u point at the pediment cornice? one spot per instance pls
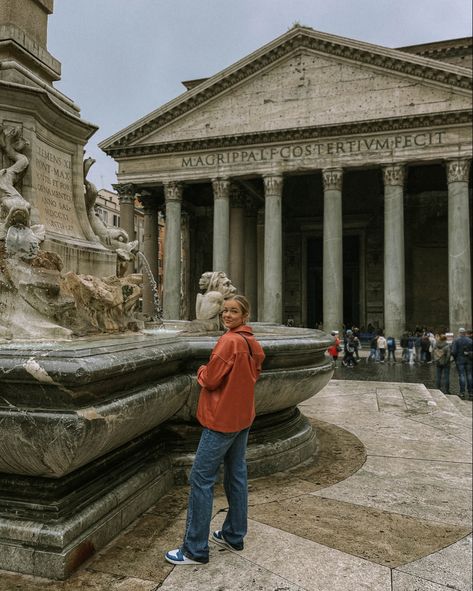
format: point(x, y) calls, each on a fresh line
point(390, 124)
point(297, 38)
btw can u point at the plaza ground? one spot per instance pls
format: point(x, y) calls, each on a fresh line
point(386, 506)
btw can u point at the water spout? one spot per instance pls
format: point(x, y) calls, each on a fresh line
point(158, 311)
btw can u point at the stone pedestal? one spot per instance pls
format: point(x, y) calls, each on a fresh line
point(55, 137)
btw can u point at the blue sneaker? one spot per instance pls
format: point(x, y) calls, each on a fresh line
point(177, 557)
point(218, 538)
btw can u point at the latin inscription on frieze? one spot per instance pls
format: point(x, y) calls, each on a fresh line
point(53, 189)
point(342, 147)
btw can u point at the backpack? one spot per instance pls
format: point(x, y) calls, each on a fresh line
point(441, 355)
point(391, 342)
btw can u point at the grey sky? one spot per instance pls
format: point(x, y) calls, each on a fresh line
point(121, 59)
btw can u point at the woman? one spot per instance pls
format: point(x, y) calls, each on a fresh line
point(226, 410)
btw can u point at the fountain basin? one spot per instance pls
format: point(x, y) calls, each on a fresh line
point(96, 430)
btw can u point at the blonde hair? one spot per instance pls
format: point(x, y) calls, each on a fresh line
point(242, 301)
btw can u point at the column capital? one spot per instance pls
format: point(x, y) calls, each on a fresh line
point(394, 174)
point(273, 184)
point(221, 188)
point(458, 170)
point(332, 179)
point(173, 191)
point(126, 192)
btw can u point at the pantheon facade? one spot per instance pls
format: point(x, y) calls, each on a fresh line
point(328, 177)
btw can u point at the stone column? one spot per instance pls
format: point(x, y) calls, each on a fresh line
point(150, 249)
point(333, 250)
point(272, 302)
point(237, 239)
point(185, 267)
point(221, 237)
point(126, 197)
point(394, 265)
point(172, 251)
point(459, 257)
point(260, 263)
point(251, 257)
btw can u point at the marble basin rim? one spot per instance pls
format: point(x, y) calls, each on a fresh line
point(64, 404)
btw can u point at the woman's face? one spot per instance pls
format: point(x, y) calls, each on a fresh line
point(232, 315)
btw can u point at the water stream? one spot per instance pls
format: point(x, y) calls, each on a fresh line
point(158, 311)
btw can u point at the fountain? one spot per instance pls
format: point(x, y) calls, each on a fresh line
point(97, 409)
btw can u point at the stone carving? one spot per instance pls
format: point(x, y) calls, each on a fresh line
point(14, 208)
point(458, 170)
point(36, 300)
point(215, 287)
point(105, 305)
point(332, 179)
point(114, 238)
point(394, 175)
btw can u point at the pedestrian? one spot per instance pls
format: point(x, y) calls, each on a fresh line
point(442, 354)
point(381, 347)
point(462, 352)
point(425, 346)
point(349, 350)
point(226, 410)
point(373, 349)
point(405, 347)
point(411, 345)
point(334, 348)
point(357, 343)
point(418, 348)
point(391, 345)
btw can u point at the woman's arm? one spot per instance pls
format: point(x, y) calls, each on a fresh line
point(211, 375)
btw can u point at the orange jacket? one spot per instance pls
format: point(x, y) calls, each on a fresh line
point(227, 400)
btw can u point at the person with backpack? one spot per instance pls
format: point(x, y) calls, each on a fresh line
point(442, 353)
point(462, 351)
point(391, 345)
point(405, 347)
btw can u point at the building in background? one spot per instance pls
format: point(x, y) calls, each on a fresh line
point(328, 177)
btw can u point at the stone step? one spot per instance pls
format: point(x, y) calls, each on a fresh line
point(464, 406)
point(451, 404)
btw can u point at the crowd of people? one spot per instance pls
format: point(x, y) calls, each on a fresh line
point(420, 346)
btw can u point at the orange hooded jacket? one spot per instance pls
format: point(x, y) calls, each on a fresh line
point(227, 401)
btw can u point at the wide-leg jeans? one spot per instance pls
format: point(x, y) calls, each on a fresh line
point(214, 448)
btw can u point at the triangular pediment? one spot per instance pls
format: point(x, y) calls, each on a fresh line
point(304, 79)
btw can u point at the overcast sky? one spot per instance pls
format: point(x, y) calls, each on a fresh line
point(121, 59)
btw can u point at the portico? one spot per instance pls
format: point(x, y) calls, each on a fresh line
point(377, 180)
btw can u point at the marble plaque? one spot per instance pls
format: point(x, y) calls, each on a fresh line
point(53, 189)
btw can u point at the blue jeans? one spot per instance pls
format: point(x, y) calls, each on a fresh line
point(464, 376)
point(445, 371)
point(215, 448)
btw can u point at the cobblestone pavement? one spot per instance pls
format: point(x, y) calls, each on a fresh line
point(394, 372)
